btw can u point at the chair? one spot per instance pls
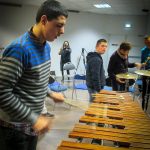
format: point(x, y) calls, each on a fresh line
point(57, 87)
point(69, 66)
point(53, 74)
point(108, 88)
point(79, 86)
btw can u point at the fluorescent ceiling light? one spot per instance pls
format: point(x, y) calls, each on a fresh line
point(102, 6)
point(128, 25)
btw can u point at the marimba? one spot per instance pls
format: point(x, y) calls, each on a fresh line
point(114, 118)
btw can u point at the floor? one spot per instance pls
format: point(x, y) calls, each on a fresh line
point(64, 120)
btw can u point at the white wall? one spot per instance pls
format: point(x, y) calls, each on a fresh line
point(82, 31)
point(148, 25)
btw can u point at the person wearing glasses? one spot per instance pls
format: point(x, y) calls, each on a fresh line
point(119, 63)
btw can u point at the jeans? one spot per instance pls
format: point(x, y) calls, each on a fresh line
point(11, 139)
point(68, 73)
point(91, 91)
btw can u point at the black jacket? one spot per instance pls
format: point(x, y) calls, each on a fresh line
point(95, 74)
point(118, 65)
point(65, 55)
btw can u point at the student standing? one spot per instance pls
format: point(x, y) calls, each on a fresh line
point(24, 77)
point(95, 74)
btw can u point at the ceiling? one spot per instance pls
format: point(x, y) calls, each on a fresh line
point(119, 7)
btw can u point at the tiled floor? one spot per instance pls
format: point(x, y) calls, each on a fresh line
point(65, 119)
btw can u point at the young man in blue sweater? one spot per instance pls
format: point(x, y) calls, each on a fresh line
point(145, 60)
point(24, 77)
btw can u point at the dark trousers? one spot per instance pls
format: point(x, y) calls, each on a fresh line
point(11, 139)
point(68, 72)
point(117, 86)
point(145, 98)
point(121, 86)
point(91, 91)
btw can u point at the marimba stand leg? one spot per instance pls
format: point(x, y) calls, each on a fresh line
point(126, 85)
point(146, 95)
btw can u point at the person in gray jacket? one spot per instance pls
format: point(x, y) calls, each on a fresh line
point(95, 74)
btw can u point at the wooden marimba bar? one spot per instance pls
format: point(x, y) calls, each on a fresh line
point(112, 117)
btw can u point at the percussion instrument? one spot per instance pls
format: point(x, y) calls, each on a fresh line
point(143, 72)
point(126, 76)
point(107, 92)
point(125, 124)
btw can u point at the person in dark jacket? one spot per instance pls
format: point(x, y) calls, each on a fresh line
point(119, 63)
point(145, 60)
point(95, 75)
point(65, 53)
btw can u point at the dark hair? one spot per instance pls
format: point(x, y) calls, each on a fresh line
point(146, 37)
point(52, 9)
point(64, 44)
point(125, 46)
point(100, 41)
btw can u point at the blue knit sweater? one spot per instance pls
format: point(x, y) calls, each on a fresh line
point(145, 54)
point(24, 76)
